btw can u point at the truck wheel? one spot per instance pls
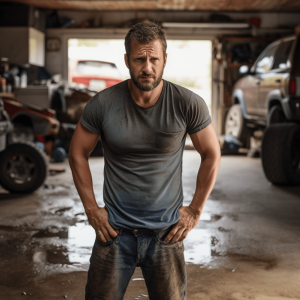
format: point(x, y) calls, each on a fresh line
point(281, 153)
point(276, 115)
point(23, 168)
point(235, 125)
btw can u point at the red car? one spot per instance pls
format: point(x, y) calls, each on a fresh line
point(30, 121)
point(96, 74)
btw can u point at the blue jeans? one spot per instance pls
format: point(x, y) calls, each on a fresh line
point(113, 263)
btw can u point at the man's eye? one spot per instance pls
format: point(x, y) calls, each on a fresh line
point(154, 58)
point(138, 59)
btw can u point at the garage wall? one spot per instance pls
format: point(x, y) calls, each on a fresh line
point(57, 61)
point(268, 20)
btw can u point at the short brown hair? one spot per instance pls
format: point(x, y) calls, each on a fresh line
point(145, 32)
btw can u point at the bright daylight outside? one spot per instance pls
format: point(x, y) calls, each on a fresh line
point(100, 64)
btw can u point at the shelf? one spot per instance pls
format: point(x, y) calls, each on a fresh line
point(247, 39)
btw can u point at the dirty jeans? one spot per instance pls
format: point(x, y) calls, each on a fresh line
point(113, 263)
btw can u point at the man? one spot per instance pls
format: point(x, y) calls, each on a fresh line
point(143, 123)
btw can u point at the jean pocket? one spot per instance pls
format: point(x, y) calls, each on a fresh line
point(161, 235)
point(109, 242)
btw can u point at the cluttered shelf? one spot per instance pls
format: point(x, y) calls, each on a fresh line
point(237, 65)
point(234, 64)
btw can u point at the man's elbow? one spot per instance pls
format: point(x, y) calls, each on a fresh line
point(73, 157)
point(213, 156)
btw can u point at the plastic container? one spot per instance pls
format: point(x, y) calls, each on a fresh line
point(17, 81)
point(24, 80)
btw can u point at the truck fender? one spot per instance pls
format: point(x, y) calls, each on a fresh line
point(276, 96)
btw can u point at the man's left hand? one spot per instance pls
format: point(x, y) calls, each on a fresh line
point(189, 218)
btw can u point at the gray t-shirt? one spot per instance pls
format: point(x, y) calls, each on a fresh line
point(143, 150)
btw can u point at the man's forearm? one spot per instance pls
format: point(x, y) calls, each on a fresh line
point(206, 179)
point(83, 182)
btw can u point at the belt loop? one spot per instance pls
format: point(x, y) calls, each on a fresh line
point(121, 231)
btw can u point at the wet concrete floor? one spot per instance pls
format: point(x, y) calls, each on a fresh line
point(246, 245)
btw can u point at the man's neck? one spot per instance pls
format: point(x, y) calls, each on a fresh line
point(145, 99)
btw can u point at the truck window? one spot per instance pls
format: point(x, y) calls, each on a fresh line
point(265, 61)
point(282, 55)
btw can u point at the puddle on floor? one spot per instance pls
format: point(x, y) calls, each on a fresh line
point(198, 246)
point(79, 240)
point(72, 245)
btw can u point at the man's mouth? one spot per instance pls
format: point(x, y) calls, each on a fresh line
point(146, 76)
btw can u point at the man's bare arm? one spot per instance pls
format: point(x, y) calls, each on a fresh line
point(83, 143)
point(207, 145)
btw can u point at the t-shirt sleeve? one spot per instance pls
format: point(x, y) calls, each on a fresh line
point(198, 115)
point(91, 117)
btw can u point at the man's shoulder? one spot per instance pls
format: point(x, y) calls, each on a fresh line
point(180, 94)
point(178, 89)
point(115, 89)
point(106, 96)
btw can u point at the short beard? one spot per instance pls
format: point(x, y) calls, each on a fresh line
point(145, 88)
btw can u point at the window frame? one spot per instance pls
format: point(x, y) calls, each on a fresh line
point(285, 40)
point(275, 44)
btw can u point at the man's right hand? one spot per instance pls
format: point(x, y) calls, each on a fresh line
point(98, 218)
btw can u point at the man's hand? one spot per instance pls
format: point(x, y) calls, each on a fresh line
point(189, 218)
point(99, 220)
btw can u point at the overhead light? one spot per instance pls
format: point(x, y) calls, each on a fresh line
point(205, 25)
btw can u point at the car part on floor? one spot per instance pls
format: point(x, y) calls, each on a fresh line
point(229, 144)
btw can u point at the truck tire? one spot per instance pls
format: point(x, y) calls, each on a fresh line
point(275, 116)
point(23, 167)
point(281, 153)
point(235, 125)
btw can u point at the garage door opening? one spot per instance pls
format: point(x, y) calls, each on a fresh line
point(99, 63)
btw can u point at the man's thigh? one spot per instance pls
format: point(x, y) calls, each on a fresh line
point(111, 267)
point(164, 270)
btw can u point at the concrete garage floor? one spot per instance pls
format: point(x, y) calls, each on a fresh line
point(246, 245)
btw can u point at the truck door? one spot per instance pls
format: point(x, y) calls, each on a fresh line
point(262, 68)
point(275, 77)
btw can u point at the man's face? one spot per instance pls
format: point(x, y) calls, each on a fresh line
point(146, 64)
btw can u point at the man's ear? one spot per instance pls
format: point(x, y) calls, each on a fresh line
point(126, 61)
point(165, 58)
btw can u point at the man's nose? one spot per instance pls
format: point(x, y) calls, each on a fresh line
point(147, 67)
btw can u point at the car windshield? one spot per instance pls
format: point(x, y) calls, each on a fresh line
point(98, 68)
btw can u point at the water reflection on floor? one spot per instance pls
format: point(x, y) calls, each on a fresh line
point(198, 246)
point(77, 242)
